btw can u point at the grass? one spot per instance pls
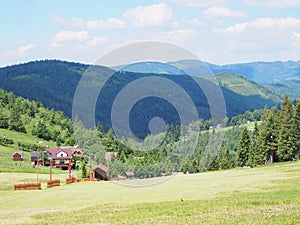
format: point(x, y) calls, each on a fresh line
point(6, 152)
point(264, 195)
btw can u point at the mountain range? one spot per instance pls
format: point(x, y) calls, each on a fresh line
point(245, 86)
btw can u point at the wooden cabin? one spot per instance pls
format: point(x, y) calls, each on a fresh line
point(101, 172)
point(129, 175)
point(18, 156)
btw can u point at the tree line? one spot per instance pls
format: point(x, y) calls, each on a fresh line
point(277, 139)
point(21, 115)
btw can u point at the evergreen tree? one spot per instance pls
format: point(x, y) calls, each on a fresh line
point(224, 158)
point(244, 148)
point(286, 146)
point(100, 129)
point(255, 156)
point(264, 140)
point(83, 169)
point(296, 130)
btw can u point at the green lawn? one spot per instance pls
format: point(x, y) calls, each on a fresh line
point(265, 195)
point(6, 162)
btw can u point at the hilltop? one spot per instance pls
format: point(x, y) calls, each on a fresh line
point(54, 83)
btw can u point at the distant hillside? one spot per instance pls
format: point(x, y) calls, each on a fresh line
point(281, 77)
point(51, 81)
point(54, 83)
point(242, 86)
point(290, 87)
point(260, 72)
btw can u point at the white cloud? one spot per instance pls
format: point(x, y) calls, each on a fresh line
point(24, 50)
point(296, 40)
point(261, 39)
point(80, 37)
point(73, 23)
point(195, 22)
point(218, 13)
point(111, 23)
point(153, 15)
point(66, 35)
point(272, 3)
point(180, 35)
point(265, 24)
point(200, 3)
point(94, 41)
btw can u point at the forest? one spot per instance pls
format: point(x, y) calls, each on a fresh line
point(249, 139)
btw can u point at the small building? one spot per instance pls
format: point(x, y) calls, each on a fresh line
point(34, 156)
point(219, 125)
point(129, 175)
point(18, 156)
point(100, 172)
point(110, 155)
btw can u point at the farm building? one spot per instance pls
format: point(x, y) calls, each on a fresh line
point(18, 156)
point(34, 156)
point(62, 156)
point(100, 172)
point(129, 175)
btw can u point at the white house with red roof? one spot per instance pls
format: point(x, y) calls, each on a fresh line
point(62, 156)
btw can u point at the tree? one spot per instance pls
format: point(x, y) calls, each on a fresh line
point(224, 158)
point(264, 144)
point(83, 169)
point(296, 130)
point(286, 146)
point(255, 156)
point(15, 122)
point(244, 148)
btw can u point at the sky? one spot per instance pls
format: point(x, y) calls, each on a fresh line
point(217, 31)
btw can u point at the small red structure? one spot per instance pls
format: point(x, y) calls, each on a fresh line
point(129, 175)
point(18, 156)
point(100, 172)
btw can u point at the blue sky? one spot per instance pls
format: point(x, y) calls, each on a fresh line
point(217, 31)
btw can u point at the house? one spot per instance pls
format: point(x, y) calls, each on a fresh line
point(18, 156)
point(219, 125)
point(129, 175)
point(100, 172)
point(62, 156)
point(34, 156)
point(110, 155)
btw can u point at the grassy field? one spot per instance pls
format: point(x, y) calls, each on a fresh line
point(265, 195)
point(6, 152)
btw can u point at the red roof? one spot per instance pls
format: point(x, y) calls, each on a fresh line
point(67, 150)
point(18, 153)
point(101, 167)
point(129, 174)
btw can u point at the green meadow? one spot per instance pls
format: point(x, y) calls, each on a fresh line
point(264, 195)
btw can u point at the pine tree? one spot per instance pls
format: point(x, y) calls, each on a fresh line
point(264, 140)
point(286, 146)
point(243, 148)
point(296, 130)
point(255, 156)
point(224, 158)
